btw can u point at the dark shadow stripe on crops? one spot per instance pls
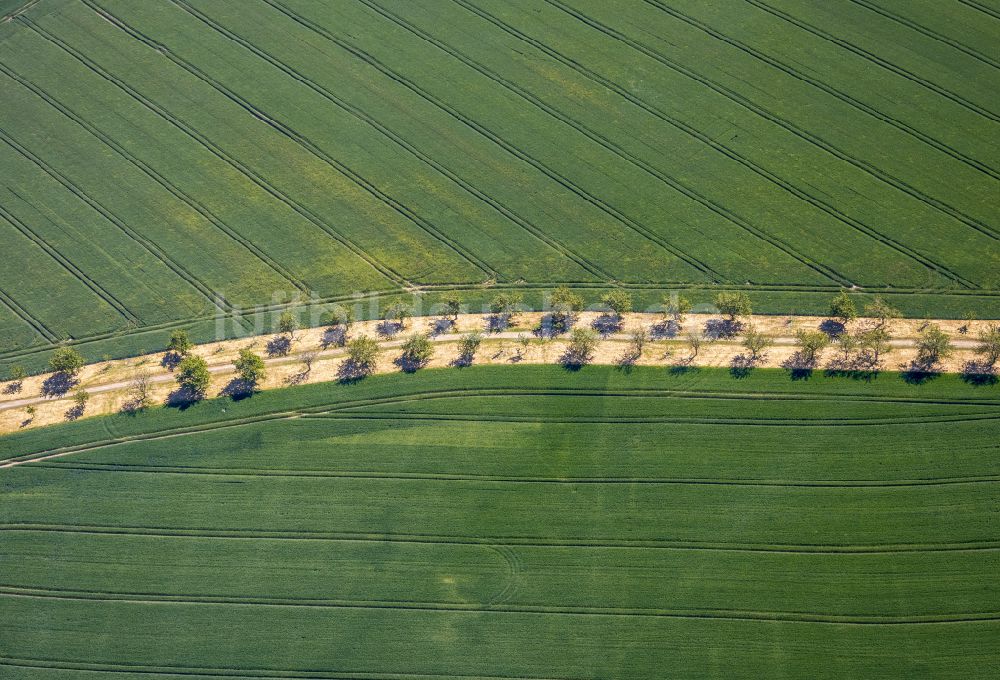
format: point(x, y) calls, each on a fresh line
point(787, 125)
point(541, 610)
point(508, 479)
point(159, 179)
point(979, 7)
point(875, 59)
point(909, 23)
point(829, 89)
point(363, 116)
point(613, 148)
point(234, 672)
point(217, 151)
point(509, 541)
point(604, 207)
point(217, 300)
point(301, 140)
point(769, 176)
point(65, 263)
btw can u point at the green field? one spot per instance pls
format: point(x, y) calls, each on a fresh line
point(164, 162)
point(513, 522)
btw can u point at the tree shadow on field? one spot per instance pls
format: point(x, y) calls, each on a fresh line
point(441, 326)
point(741, 366)
point(58, 384)
point(833, 328)
point(680, 369)
point(334, 337)
point(75, 412)
point(607, 324)
point(350, 372)
point(408, 364)
point(497, 323)
point(979, 374)
point(182, 399)
point(279, 346)
point(574, 361)
point(918, 372)
point(238, 389)
point(552, 325)
point(799, 367)
point(722, 329)
point(855, 370)
point(389, 329)
point(14, 387)
point(664, 330)
point(170, 360)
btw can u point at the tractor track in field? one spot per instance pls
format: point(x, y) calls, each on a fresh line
point(787, 125)
point(825, 87)
point(507, 541)
point(875, 59)
point(616, 150)
point(358, 113)
point(919, 28)
point(212, 148)
point(217, 301)
point(302, 141)
point(560, 179)
point(979, 7)
point(197, 470)
point(65, 263)
point(760, 171)
point(162, 181)
point(494, 608)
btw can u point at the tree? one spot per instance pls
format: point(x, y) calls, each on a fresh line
point(811, 344)
point(755, 342)
point(881, 311)
point(31, 411)
point(309, 358)
point(565, 304)
point(250, 368)
point(676, 306)
point(637, 342)
point(932, 346)
point(842, 308)
point(363, 352)
point(873, 344)
point(340, 316)
point(452, 307)
point(618, 301)
point(733, 304)
point(80, 399)
point(848, 344)
point(193, 376)
point(16, 375)
point(582, 343)
point(524, 342)
point(139, 391)
point(417, 351)
point(180, 344)
point(66, 360)
point(468, 345)
point(504, 305)
point(398, 312)
point(694, 340)
point(989, 345)
point(288, 323)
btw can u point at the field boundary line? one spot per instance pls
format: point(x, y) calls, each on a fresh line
point(610, 146)
point(493, 608)
point(919, 28)
point(218, 301)
point(508, 541)
point(679, 124)
point(301, 140)
point(306, 473)
point(604, 207)
point(825, 87)
point(787, 125)
point(161, 180)
point(365, 117)
point(217, 151)
point(64, 262)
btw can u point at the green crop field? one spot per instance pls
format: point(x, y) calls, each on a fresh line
point(167, 162)
point(504, 522)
